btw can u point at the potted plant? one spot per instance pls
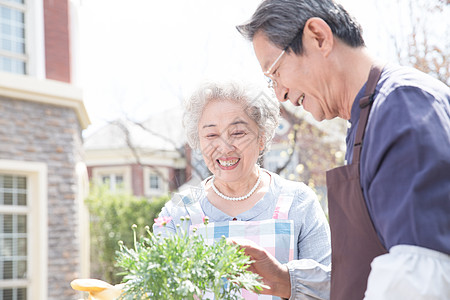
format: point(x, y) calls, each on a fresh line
point(184, 266)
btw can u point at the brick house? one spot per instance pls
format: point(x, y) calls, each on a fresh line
point(147, 159)
point(42, 174)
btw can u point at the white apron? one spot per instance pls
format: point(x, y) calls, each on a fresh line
point(276, 235)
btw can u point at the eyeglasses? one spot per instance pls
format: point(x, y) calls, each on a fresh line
point(271, 82)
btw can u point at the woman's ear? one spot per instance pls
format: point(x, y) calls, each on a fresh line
point(261, 144)
point(318, 34)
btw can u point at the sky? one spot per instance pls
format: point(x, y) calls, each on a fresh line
point(142, 57)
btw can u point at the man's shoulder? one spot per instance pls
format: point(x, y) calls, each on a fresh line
point(395, 77)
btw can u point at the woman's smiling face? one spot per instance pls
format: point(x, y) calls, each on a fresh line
point(229, 140)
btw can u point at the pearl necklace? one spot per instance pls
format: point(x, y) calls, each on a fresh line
point(236, 198)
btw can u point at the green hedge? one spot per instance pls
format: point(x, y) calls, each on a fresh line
point(111, 217)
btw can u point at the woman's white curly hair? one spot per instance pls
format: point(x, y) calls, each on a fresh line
point(260, 107)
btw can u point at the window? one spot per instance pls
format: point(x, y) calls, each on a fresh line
point(154, 182)
point(12, 36)
point(23, 230)
point(115, 181)
point(116, 177)
point(22, 41)
point(13, 235)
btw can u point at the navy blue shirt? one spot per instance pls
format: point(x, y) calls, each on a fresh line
point(405, 159)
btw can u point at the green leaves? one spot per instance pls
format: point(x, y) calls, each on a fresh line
point(111, 214)
point(183, 266)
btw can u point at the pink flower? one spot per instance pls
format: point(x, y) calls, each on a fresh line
point(205, 220)
point(162, 221)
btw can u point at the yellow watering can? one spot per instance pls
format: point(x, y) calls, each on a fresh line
point(97, 289)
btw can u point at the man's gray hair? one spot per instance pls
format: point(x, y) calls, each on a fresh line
point(259, 106)
point(282, 21)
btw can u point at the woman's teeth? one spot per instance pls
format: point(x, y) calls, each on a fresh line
point(228, 163)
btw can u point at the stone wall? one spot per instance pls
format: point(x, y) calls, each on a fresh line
point(31, 131)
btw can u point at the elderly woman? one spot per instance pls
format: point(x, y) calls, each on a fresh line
point(233, 127)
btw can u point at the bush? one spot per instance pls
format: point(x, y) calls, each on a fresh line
point(111, 215)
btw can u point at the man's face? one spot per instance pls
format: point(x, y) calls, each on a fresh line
point(300, 79)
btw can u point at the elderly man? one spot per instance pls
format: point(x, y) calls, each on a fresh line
point(389, 207)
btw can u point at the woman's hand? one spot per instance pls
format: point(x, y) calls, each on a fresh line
point(274, 274)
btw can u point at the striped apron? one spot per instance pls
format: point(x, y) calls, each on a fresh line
point(276, 235)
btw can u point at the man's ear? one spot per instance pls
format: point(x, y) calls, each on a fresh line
point(319, 34)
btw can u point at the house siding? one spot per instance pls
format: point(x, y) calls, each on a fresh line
point(57, 40)
point(31, 131)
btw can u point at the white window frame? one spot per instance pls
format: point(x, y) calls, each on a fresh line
point(84, 233)
point(158, 179)
point(112, 181)
point(36, 209)
point(34, 36)
point(163, 174)
point(125, 171)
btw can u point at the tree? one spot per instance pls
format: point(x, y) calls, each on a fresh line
point(182, 149)
point(419, 31)
point(311, 148)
